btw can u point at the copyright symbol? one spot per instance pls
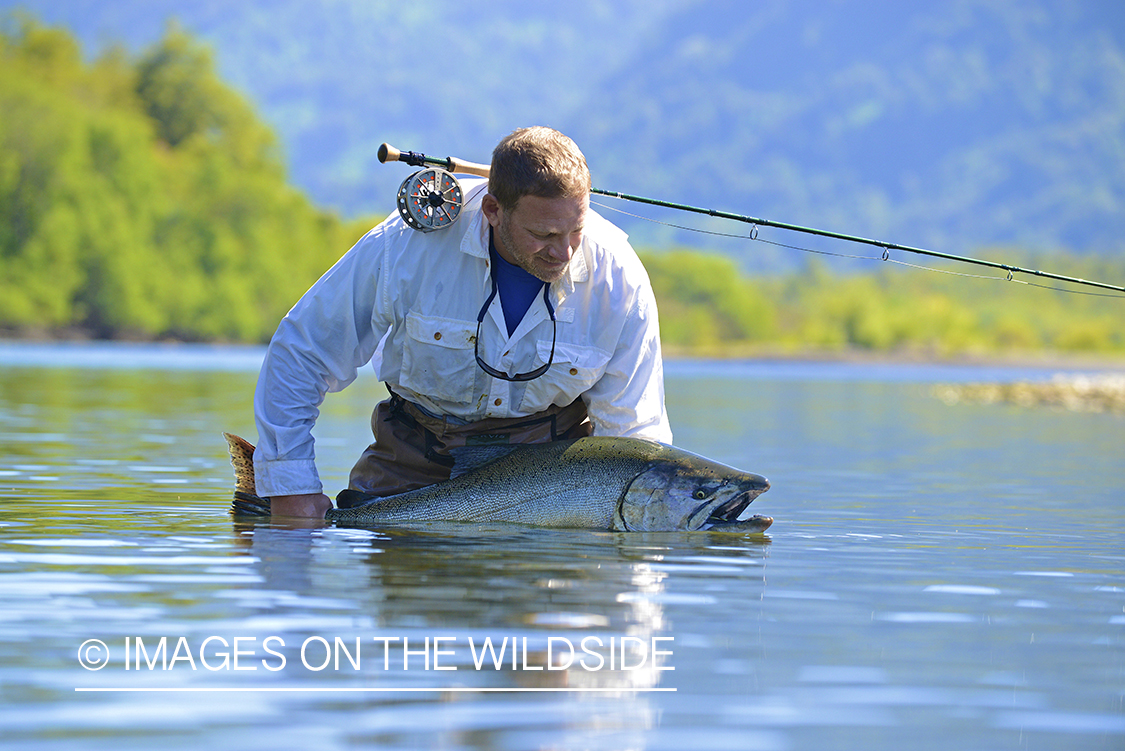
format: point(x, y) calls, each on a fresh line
point(93, 654)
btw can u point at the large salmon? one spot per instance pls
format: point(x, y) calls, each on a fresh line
point(624, 484)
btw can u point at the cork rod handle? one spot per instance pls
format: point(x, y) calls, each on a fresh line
point(388, 153)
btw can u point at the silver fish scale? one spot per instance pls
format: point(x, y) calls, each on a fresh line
point(563, 484)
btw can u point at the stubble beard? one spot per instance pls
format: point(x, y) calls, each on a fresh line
point(531, 264)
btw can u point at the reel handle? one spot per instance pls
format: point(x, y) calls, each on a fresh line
point(388, 153)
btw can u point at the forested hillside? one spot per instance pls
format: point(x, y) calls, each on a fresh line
point(708, 306)
point(141, 196)
point(144, 198)
point(952, 125)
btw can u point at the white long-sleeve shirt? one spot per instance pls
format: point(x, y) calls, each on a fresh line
point(407, 302)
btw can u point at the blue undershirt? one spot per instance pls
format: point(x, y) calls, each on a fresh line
point(517, 288)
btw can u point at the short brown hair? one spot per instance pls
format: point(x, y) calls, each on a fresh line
point(537, 161)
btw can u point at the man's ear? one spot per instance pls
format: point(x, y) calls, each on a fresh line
point(492, 209)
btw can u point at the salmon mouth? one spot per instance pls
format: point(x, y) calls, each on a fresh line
point(726, 513)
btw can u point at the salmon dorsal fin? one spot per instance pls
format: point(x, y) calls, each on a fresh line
point(468, 459)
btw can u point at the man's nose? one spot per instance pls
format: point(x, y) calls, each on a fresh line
point(561, 249)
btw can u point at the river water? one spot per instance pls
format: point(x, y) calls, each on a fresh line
point(937, 577)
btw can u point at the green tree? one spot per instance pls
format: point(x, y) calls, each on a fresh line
point(179, 89)
point(144, 199)
point(705, 301)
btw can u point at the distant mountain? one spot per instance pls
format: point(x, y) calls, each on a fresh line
point(953, 125)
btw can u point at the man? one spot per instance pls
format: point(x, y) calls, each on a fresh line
point(530, 319)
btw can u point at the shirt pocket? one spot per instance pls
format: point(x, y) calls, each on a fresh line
point(438, 359)
point(574, 370)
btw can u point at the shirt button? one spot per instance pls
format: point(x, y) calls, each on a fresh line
point(498, 402)
point(574, 371)
point(437, 335)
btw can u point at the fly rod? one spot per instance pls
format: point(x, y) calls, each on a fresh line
point(431, 192)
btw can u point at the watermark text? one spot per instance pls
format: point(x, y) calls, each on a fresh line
point(381, 653)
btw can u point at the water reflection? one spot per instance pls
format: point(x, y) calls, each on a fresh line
point(936, 576)
point(595, 600)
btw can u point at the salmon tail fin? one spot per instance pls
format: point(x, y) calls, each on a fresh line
point(247, 502)
point(242, 459)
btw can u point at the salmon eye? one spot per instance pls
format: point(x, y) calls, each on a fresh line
point(700, 494)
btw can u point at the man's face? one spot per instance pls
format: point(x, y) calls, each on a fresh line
point(540, 235)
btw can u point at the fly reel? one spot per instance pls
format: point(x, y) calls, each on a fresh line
point(430, 199)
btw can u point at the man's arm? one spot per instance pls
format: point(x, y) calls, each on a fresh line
point(629, 398)
point(318, 347)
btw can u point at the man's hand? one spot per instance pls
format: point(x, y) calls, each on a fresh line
point(310, 506)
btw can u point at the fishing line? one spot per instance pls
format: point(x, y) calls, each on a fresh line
point(752, 236)
point(755, 237)
point(886, 246)
point(431, 199)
